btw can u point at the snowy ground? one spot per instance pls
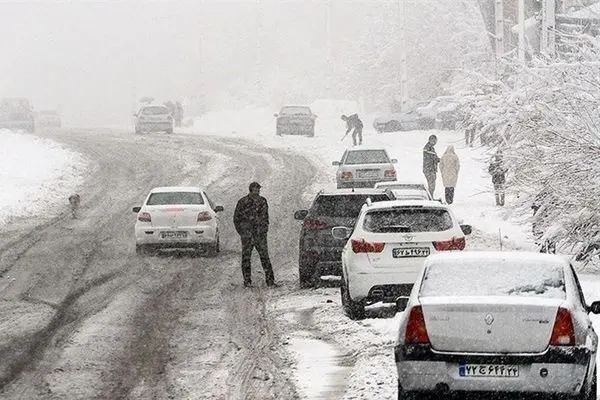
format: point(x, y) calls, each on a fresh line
point(360, 351)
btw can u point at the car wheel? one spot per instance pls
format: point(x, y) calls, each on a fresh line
point(354, 310)
point(141, 250)
point(306, 273)
point(214, 248)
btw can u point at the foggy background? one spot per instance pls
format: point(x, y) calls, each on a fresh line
point(94, 60)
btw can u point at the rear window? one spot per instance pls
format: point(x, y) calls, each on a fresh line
point(494, 278)
point(295, 110)
point(407, 219)
point(157, 110)
point(367, 157)
point(343, 205)
point(166, 198)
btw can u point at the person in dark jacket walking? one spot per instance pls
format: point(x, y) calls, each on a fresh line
point(354, 124)
point(251, 220)
point(430, 163)
point(498, 171)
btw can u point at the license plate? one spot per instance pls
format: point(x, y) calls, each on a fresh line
point(368, 174)
point(488, 371)
point(173, 235)
point(410, 252)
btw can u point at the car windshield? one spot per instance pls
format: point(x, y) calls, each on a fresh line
point(295, 111)
point(494, 278)
point(155, 110)
point(408, 219)
point(166, 198)
point(343, 205)
point(367, 157)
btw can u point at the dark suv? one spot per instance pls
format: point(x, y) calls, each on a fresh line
point(319, 252)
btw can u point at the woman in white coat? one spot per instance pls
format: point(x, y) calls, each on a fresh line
point(449, 167)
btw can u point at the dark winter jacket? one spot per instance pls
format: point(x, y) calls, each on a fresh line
point(498, 171)
point(353, 122)
point(251, 216)
point(430, 159)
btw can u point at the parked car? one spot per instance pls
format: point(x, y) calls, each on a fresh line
point(16, 113)
point(406, 190)
point(319, 253)
point(387, 247)
point(177, 217)
point(364, 167)
point(501, 322)
point(295, 120)
point(410, 120)
point(48, 119)
point(444, 111)
point(153, 118)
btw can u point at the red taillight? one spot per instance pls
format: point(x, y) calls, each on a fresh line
point(144, 217)
point(361, 246)
point(563, 333)
point(314, 224)
point(346, 175)
point(416, 332)
point(204, 216)
point(452, 244)
point(389, 173)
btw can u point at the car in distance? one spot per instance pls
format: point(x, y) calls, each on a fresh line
point(319, 253)
point(48, 119)
point(153, 118)
point(387, 247)
point(177, 217)
point(406, 190)
point(410, 120)
point(17, 113)
point(295, 120)
point(364, 167)
point(508, 323)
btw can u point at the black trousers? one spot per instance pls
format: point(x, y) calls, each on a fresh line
point(260, 243)
point(449, 195)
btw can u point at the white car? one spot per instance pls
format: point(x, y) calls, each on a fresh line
point(406, 190)
point(501, 322)
point(177, 217)
point(153, 118)
point(386, 249)
point(363, 167)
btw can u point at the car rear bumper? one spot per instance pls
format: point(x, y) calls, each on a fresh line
point(381, 285)
point(295, 129)
point(194, 236)
point(325, 260)
point(558, 370)
point(154, 126)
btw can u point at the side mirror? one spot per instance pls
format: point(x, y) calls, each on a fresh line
point(340, 232)
point(300, 214)
point(466, 229)
point(394, 160)
point(136, 209)
point(594, 308)
point(219, 208)
point(335, 163)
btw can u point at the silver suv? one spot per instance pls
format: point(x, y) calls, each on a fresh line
point(153, 118)
point(363, 167)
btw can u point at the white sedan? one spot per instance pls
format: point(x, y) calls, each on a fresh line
point(501, 322)
point(177, 217)
point(387, 248)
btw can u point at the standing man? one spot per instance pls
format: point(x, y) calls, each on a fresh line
point(251, 220)
point(498, 170)
point(430, 163)
point(354, 123)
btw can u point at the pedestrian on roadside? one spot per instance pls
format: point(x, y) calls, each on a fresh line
point(251, 220)
point(449, 167)
point(178, 114)
point(430, 163)
point(354, 124)
point(498, 170)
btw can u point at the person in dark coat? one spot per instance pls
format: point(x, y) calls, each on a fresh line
point(430, 163)
point(251, 220)
point(498, 170)
point(354, 124)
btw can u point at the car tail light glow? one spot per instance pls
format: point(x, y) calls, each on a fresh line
point(452, 244)
point(346, 175)
point(204, 216)
point(362, 246)
point(563, 333)
point(144, 217)
point(389, 173)
point(314, 224)
point(416, 331)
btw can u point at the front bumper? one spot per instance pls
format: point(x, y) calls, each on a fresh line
point(557, 370)
point(154, 126)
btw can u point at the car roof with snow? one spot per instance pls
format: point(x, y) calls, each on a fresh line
point(501, 256)
point(172, 189)
point(407, 203)
point(348, 191)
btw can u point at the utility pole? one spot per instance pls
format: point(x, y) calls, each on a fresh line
point(402, 40)
point(548, 36)
point(499, 28)
point(521, 42)
point(329, 33)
